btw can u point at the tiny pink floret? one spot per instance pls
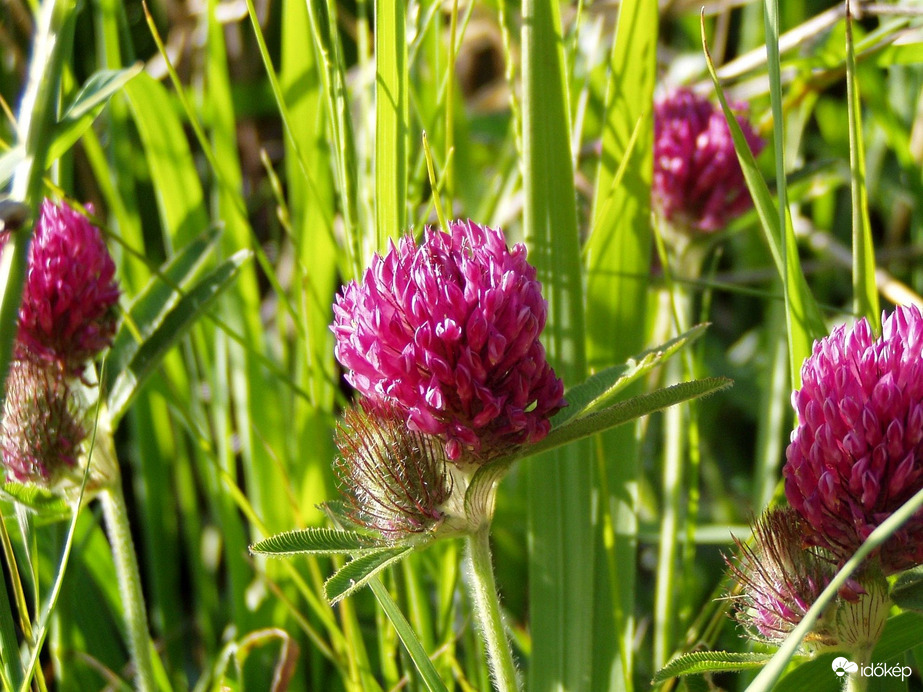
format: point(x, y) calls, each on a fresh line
point(448, 332)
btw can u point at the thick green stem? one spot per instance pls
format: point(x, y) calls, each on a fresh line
point(126, 567)
point(487, 611)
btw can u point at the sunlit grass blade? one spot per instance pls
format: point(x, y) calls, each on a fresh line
point(561, 573)
point(391, 120)
point(417, 653)
point(803, 317)
point(618, 258)
point(865, 290)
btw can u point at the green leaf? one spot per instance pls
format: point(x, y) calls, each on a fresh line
point(39, 499)
point(709, 662)
point(598, 390)
point(173, 326)
point(154, 302)
point(316, 540)
point(87, 105)
point(908, 590)
point(815, 675)
point(356, 573)
point(624, 411)
point(903, 632)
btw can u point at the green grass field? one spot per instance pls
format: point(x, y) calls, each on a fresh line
point(246, 158)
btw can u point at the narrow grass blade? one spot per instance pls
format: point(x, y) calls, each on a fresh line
point(618, 258)
point(802, 314)
point(391, 119)
point(865, 290)
point(560, 572)
point(416, 651)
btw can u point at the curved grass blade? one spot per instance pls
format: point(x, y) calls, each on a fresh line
point(149, 354)
point(356, 573)
point(409, 638)
point(319, 541)
point(802, 314)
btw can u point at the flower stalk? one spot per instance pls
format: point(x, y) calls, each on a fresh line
point(487, 610)
point(129, 578)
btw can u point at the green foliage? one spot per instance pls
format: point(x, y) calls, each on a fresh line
point(292, 133)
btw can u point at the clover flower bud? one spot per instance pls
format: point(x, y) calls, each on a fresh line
point(698, 185)
point(447, 333)
point(857, 453)
point(779, 581)
point(41, 434)
point(395, 478)
point(68, 312)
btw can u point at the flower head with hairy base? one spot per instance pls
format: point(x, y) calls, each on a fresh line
point(395, 479)
point(779, 580)
point(698, 184)
point(447, 333)
point(68, 312)
point(41, 434)
point(857, 453)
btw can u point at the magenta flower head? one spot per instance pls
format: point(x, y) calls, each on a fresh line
point(41, 433)
point(857, 453)
point(779, 581)
point(447, 333)
point(68, 311)
point(698, 184)
point(395, 479)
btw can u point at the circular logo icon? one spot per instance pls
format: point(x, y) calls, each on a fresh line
point(843, 665)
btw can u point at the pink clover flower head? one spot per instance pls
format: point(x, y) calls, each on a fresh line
point(41, 435)
point(779, 580)
point(857, 453)
point(448, 333)
point(395, 479)
point(68, 311)
point(698, 184)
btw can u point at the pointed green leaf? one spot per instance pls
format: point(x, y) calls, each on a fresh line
point(356, 573)
point(903, 632)
point(709, 662)
point(39, 499)
point(624, 411)
point(319, 541)
point(151, 306)
point(87, 104)
point(174, 325)
point(597, 391)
